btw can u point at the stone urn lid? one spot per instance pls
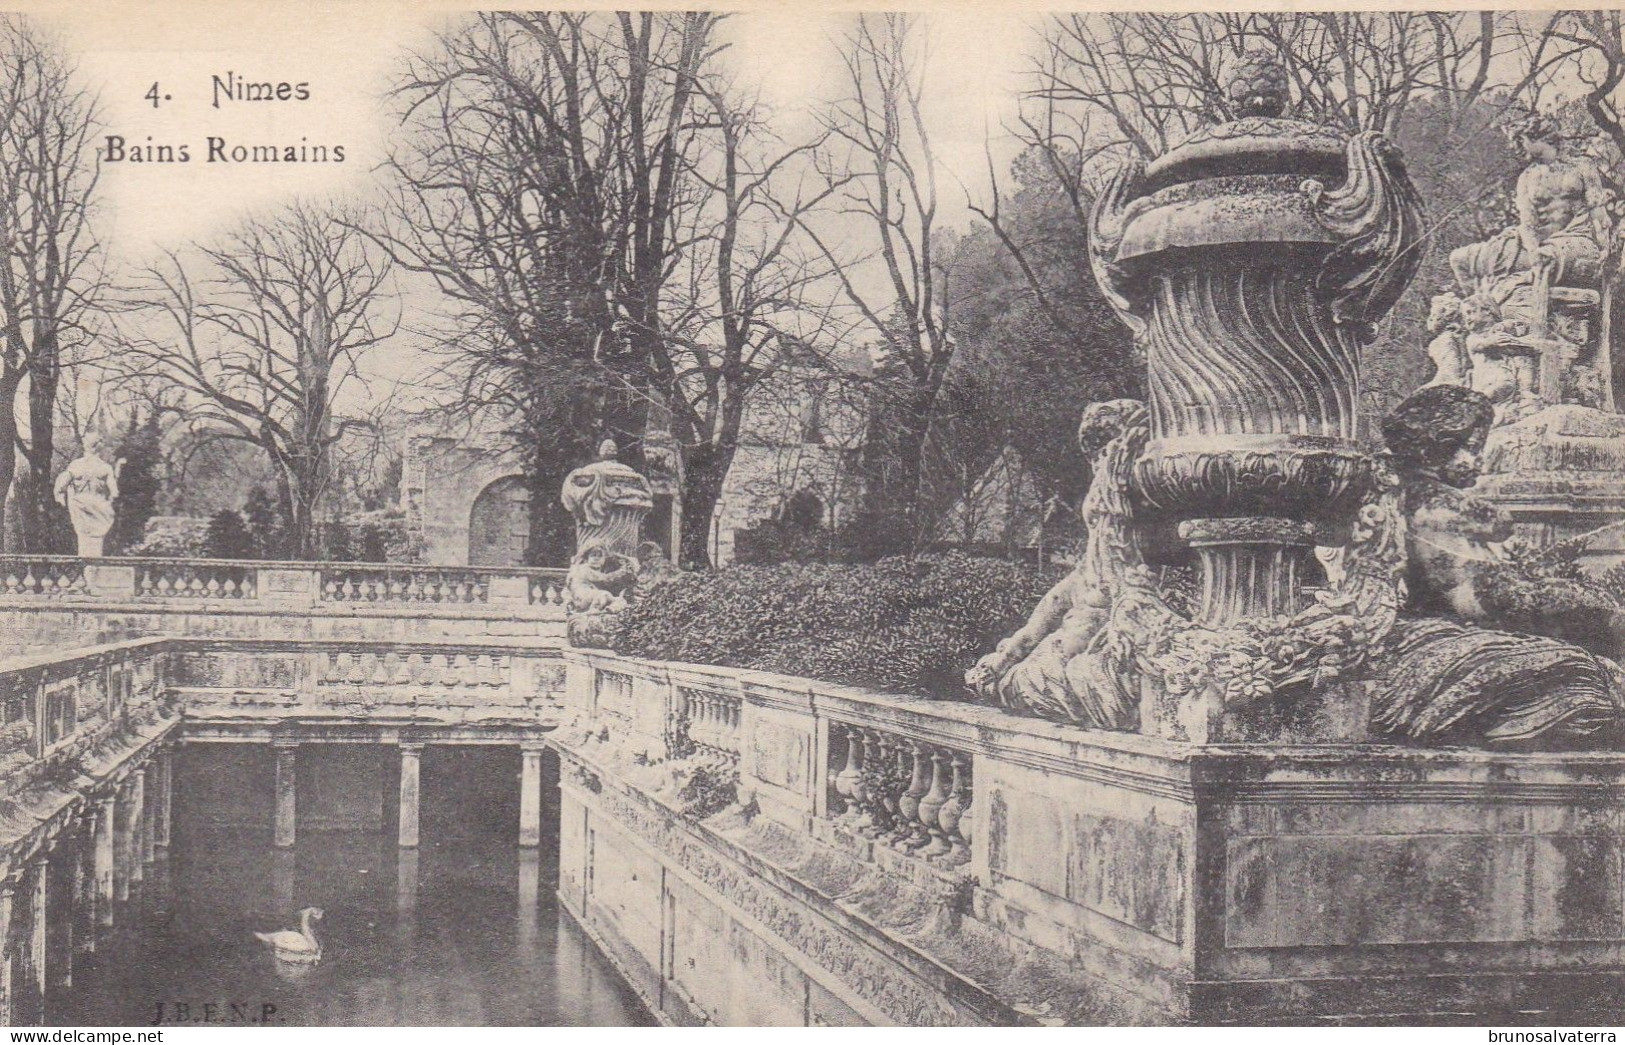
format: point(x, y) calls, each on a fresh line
point(1253, 179)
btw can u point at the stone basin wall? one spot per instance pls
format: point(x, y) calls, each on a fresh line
point(1094, 877)
point(60, 602)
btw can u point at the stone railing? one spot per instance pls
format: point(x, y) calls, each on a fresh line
point(194, 579)
point(51, 602)
point(254, 683)
point(1184, 881)
point(912, 795)
point(41, 576)
point(52, 705)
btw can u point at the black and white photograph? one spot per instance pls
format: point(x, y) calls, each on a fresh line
point(811, 516)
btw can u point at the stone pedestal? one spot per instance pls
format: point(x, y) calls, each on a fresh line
point(1250, 567)
point(1560, 474)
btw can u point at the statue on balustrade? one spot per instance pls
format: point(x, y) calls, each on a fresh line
point(609, 501)
point(88, 487)
point(1442, 674)
point(1534, 290)
point(1057, 665)
point(1251, 264)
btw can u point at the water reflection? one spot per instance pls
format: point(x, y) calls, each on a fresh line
point(465, 934)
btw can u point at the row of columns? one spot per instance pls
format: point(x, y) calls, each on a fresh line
point(287, 794)
point(122, 831)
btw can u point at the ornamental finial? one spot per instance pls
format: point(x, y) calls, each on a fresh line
point(1259, 86)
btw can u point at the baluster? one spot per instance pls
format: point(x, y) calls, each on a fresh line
point(862, 794)
point(910, 832)
point(956, 817)
point(12, 583)
point(931, 806)
point(396, 589)
point(846, 781)
point(194, 587)
point(212, 589)
point(877, 770)
point(331, 589)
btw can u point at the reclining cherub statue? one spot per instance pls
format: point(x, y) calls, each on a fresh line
point(1049, 667)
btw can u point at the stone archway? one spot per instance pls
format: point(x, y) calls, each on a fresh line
point(499, 524)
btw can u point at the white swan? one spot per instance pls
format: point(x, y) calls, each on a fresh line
point(301, 946)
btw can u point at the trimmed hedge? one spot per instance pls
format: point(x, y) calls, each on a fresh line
point(902, 624)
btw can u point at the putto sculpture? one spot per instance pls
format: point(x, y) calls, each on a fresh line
point(1250, 263)
point(609, 501)
point(88, 487)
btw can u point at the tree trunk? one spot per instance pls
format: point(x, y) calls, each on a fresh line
point(704, 471)
point(8, 454)
point(40, 536)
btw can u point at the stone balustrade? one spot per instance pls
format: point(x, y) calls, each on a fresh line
point(1047, 872)
point(62, 713)
point(42, 576)
point(247, 687)
point(912, 795)
point(194, 579)
point(52, 602)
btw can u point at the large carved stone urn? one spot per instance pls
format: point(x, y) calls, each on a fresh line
point(609, 501)
point(1251, 262)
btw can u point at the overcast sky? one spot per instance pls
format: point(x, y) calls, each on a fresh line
point(348, 54)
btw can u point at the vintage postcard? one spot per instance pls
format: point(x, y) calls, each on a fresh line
point(811, 516)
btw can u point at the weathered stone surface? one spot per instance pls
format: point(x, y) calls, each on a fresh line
point(1201, 883)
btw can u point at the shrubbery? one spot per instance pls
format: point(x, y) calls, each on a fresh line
point(910, 625)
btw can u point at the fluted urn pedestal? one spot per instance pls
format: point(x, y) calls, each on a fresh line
point(1250, 262)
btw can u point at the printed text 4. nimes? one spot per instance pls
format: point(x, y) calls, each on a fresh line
point(228, 89)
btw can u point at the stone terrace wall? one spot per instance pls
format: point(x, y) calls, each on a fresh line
point(1078, 876)
point(57, 602)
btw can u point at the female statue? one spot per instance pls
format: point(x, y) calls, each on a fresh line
point(88, 487)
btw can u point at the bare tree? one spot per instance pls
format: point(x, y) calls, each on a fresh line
point(537, 187)
point(51, 277)
point(263, 334)
point(881, 159)
point(751, 301)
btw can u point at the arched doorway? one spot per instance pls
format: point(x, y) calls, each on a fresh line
point(499, 524)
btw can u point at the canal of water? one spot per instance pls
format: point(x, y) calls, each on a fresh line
point(463, 932)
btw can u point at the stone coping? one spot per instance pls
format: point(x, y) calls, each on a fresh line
point(1234, 772)
point(516, 646)
point(288, 565)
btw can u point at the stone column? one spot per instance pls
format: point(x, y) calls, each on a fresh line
point(8, 891)
point(121, 844)
point(406, 882)
point(103, 865)
point(530, 795)
point(138, 829)
point(39, 924)
point(530, 898)
point(284, 866)
point(287, 795)
point(166, 781)
point(410, 758)
point(153, 786)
